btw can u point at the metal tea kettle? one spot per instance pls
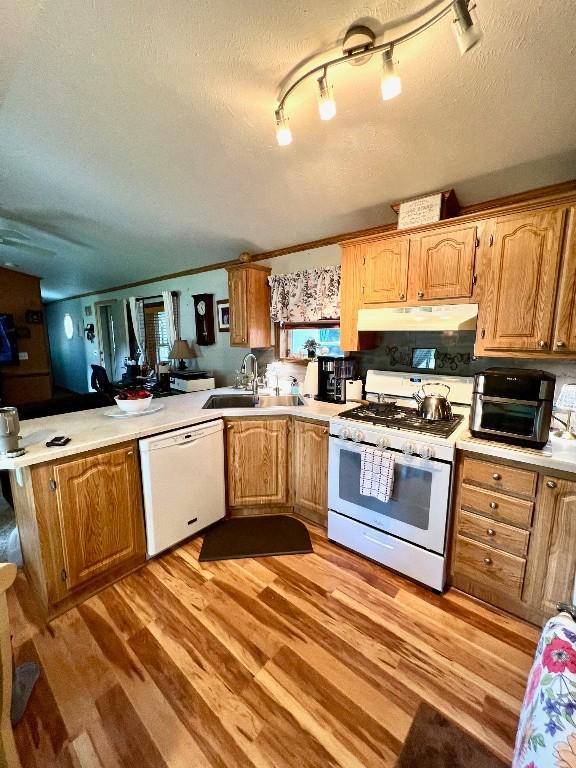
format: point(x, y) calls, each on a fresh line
point(431, 405)
point(9, 430)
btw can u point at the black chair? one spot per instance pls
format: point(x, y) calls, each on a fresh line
point(99, 380)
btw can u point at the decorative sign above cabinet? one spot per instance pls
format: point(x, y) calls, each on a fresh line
point(425, 210)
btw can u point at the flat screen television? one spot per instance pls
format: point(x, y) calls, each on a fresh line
point(8, 346)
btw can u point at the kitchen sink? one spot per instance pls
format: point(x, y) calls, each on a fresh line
point(248, 401)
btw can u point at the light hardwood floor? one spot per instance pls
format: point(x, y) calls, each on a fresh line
point(310, 660)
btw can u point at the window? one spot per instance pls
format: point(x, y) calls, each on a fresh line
point(156, 333)
point(292, 340)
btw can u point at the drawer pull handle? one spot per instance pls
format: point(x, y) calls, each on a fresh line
point(550, 484)
point(493, 505)
point(402, 296)
point(488, 560)
point(496, 476)
point(490, 531)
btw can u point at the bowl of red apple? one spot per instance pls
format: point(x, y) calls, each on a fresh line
point(133, 400)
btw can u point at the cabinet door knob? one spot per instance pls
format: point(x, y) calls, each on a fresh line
point(550, 484)
point(402, 296)
point(488, 560)
point(493, 505)
point(496, 476)
point(420, 294)
point(229, 426)
point(542, 344)
point(490, 531)
point(560, 344)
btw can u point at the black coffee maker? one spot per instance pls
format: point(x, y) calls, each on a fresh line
point(332, 375)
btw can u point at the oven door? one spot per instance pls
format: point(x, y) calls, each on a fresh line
point(418, 508)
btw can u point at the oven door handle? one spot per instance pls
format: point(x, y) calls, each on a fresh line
point(508, 400)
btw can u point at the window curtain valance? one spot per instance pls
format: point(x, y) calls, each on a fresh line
point(306, 297)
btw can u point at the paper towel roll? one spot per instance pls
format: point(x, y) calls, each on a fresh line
point(310, 386)
point(353, 389)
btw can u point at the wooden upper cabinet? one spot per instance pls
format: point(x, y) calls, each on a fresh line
point(100, 512)
point(249, 296)
point(351, 300)
point(257, 456)
point(310, 470)
point(442, 264)
point(552, 557)
point(385, 264)
point(519, 291)
point(564, 339)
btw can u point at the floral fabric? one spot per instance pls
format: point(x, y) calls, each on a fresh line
point(307, 296)
point(547, 731)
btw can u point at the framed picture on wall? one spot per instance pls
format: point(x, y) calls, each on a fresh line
point(223, 310)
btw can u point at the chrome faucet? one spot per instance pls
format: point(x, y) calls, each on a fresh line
point(251, 356)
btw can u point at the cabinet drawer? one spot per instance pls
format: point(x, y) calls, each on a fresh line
point(497, 506)
point(489, 567)
point(500, 477)
point(493, 534)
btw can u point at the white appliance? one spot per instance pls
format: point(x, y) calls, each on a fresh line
point(449, 317)
point(407, 533)
point(310, 386)
point(183, 483)
point(186, 384)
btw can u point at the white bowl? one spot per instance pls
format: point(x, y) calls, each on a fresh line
point(134, 406)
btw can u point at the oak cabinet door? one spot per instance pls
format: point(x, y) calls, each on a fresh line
point(257, 455)
point(385, 271)
point(310, 462)
point(237, 290)
point(100, 511)
point(442, 264)
point(518, 298)
point(552, 554)
point(565, 326)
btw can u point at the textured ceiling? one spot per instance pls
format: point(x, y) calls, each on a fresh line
point(137, 138)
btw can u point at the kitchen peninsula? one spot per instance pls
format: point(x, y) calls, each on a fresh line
point(79, 507)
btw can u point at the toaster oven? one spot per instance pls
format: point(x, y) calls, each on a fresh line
point(513, 405)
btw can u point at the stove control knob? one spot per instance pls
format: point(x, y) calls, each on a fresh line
point(344, 433)
point(383, 443)
point(408, 449)
point(425, 452)
point(358, 436)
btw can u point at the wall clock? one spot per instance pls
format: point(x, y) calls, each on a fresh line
point(204, 316)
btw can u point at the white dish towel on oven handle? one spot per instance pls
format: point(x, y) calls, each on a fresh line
point(377, 473)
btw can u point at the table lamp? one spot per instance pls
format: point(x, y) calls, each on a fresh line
point(181, 351)
point(566, 402)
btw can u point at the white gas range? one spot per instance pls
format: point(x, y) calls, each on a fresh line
point(407, 533)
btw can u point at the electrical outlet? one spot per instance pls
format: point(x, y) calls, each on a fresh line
point(22, 355)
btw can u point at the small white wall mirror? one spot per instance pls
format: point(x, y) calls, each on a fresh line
point(68, 326)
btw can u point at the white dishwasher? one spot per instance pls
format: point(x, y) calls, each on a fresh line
point(183, 483)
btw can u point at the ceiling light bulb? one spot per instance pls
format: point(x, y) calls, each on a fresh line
point(466, 26)
point(326, 103)
point(283, 132)
point(390, 85)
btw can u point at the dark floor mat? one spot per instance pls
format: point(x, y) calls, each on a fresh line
point(255, 537)
point(436, 742)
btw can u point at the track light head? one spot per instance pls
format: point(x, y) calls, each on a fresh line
point(283, 132)
point(466, 26)
point(390, 85)
point(326, 103)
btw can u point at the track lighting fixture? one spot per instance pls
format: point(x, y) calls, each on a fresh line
point(358, 47)
point(466, 26)
point(283, 132)
point(326, 103)
point(390, 85)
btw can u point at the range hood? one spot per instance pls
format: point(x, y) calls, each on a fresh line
point(445, 317)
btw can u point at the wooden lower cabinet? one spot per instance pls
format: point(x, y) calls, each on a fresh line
point(277, 465)
point(514, 543)
point(81, 523)
point(257, 454)
point(310, 470)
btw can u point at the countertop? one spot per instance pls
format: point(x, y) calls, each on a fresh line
point(93, 429)
point(555, 455)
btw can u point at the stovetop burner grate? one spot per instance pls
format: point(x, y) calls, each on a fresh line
point(401, 417)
